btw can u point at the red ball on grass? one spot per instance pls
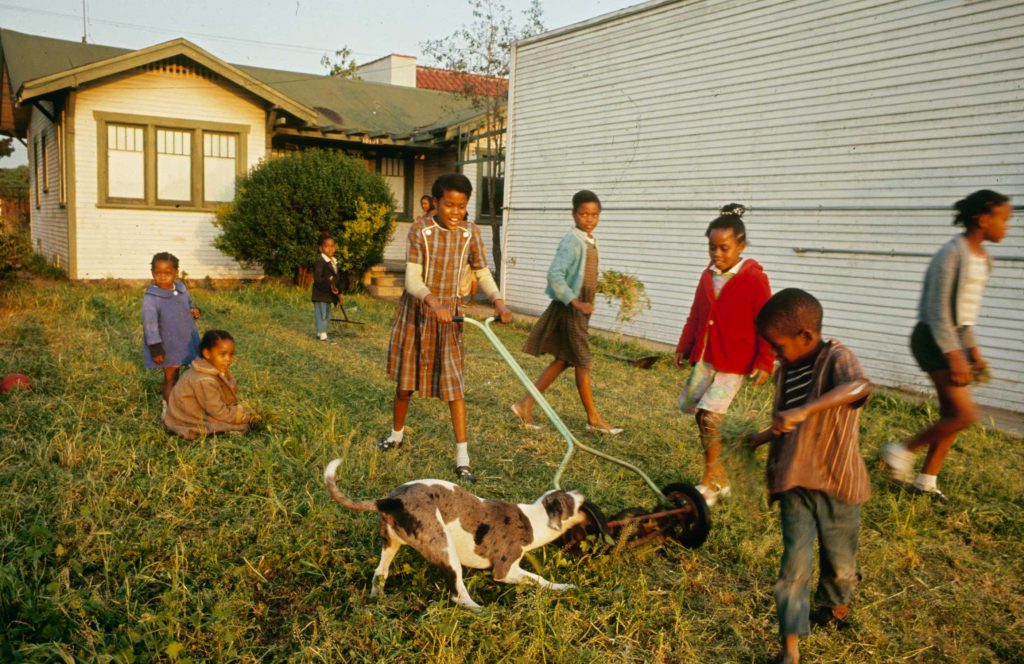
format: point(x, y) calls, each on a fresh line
point(14, 380)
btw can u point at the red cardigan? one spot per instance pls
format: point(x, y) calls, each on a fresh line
point(727, 323)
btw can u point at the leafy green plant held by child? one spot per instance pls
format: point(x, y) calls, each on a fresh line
point(630, 293)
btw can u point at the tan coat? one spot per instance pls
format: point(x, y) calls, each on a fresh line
point(205, 401)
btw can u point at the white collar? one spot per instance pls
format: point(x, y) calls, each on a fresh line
point(461, 226)
point(731, 271)
point(589, 239)
point(328, 259)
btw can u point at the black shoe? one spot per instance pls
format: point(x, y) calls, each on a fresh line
point(464, 473)
point(385, 444)
point(823, 616)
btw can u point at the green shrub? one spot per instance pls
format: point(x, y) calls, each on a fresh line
point(284, 204)
point(15, 252)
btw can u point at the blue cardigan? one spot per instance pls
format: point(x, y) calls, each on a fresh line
point(565, 276)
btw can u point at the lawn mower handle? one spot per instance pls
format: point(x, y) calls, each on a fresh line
point(571, 441)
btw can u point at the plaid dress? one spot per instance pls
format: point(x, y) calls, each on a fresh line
point(425, 355)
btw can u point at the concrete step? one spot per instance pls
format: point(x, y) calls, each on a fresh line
point(388, 280)
point(385, 291)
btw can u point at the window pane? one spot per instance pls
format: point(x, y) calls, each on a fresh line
point(125, 162)
point(173, 165)
point(393, 171)
point(219, 166)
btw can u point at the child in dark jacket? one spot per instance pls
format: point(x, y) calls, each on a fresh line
point(720, 341)
point(325, 285)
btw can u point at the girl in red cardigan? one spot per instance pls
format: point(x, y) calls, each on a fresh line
point(720, 340)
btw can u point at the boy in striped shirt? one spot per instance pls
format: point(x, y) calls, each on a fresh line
point(815, 470)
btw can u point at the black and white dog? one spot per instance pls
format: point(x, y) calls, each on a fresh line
point(452, 528)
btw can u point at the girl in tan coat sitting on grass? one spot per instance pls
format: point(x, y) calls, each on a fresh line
point(205, 399)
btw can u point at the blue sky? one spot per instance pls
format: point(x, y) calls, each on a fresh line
point(286, 34)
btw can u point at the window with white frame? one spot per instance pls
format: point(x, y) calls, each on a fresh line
point(173, 165)
point(168, 163)
point(393, 171)
point(126, 162)
point(220, 155)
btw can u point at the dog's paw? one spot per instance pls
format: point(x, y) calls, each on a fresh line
point(562, 586)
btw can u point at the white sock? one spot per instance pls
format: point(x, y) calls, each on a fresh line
point(461, 454)
point(397, 436)
point(925, 482)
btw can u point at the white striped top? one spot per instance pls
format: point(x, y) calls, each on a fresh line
point(972, 286)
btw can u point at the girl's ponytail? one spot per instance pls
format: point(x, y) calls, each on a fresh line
point(970, 208)
point(730, 217)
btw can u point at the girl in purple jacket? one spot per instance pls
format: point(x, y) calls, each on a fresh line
point(170, 335)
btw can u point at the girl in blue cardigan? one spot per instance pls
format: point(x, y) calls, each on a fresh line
point(562, 331)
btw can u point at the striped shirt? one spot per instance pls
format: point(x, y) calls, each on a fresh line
point(972, 285)
point(797, 384)
point(823, 452)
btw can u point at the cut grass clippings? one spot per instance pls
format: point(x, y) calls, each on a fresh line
point(122, 543)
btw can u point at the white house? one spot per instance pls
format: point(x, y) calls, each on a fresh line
point(848, 128)
point(131, 151)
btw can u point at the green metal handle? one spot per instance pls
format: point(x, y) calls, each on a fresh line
point(571, 441)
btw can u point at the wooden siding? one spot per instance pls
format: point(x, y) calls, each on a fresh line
point(846, 126)
point(49, 220)
point(120, 242)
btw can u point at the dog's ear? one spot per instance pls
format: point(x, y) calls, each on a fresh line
point(559, 505)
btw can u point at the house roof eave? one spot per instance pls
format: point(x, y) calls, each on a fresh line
point(77, 76)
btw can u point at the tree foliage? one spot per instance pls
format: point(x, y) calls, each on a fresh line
point(14, 182)
point(15, 252)
point(343, 65)
point(483, 47)
point(282, 207)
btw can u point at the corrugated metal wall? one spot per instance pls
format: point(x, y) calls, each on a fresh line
point(849, 127)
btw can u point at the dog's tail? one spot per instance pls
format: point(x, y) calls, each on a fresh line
point(339, 497)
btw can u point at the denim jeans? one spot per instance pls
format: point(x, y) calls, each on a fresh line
point(807, 514)
point(322, 312)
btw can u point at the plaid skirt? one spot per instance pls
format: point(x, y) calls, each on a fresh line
point(425, 355)
point(563, 332)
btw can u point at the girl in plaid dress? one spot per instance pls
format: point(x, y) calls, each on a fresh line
point(426, 350)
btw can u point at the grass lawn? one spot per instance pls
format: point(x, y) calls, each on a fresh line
point(119, 542)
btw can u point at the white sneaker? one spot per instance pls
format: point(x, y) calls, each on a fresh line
point(713, 492)
point(900, 461)
point(322, 336)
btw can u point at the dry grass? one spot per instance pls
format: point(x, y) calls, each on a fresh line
point(121, 543)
